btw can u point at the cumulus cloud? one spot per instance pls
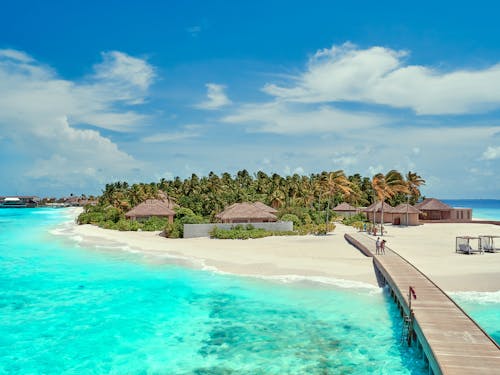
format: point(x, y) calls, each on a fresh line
point(491, 153)
point(39, 112)
point(380, 75)
point(216, 96)
point(283, 118)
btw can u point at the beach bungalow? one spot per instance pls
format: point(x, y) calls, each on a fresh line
point(246, 213)
point(405, 214)
point(435, 210)
point(375, 210)
point(265, 207)
point(150, 208)
point(345, 209)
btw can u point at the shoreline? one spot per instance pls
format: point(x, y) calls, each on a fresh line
point(328, 260)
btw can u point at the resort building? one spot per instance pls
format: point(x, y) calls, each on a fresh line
point(256, 212)
point(374, 212)
point(265, 207)
point(405, 214)
point(150, 208)
point(22, 201)
point(345, 209)
point(434, 210)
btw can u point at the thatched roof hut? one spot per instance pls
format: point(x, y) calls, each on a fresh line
point(404, 208)
point(245, 213)
point(433, 204)
point(374, 212)
point(151, 207)
point(405, 214)
point(265, 207)
point(344, 207)
point(377, 207)
point(434, 209)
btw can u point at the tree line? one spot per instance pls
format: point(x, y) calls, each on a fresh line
point(320, 192)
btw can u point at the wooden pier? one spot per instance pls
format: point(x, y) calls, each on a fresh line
point(451, 341)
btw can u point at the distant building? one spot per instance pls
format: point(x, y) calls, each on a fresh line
point(434, 210)
point(345, 209)
point(256, 212)
point(374, 212)
point(21, 201)
point(152, 208)
point(405, 214)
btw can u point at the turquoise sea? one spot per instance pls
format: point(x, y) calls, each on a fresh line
point(67, 309)
point(483, 307)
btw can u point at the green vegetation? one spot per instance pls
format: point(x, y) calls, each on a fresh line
point(112, 218)
point(241, 232)
point(353, 219)
point(306, 200)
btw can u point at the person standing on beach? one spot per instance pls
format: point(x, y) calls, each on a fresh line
point(377, 246)
point(382, 247)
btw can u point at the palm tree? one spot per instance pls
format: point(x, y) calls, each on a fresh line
point(336, 182)
point(413, 182)
point(386, 186)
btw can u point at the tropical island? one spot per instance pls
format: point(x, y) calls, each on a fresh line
point(306, 201)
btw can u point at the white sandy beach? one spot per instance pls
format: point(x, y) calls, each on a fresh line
point(430, 247)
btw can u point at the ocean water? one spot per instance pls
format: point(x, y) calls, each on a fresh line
point(481, 208)
point(484, 308)
point(68, 309)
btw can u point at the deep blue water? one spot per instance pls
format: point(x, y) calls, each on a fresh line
point(66, 309)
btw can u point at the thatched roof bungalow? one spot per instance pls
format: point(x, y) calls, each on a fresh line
point(345, 209)
point(375, 210)
point(265, 207)
point(434, 209)
point(246, 213)
point(405, 214)
point(150, 208)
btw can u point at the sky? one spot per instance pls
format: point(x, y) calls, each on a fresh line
point(93, 92)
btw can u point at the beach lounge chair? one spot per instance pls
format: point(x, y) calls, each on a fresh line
point(465, 248)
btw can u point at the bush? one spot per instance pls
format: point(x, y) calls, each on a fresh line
point(293, 218)
point(154, 223)
point(354, 218)
point(174, 230)
point(239, 232)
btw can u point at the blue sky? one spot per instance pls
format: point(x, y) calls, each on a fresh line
point(93, 92)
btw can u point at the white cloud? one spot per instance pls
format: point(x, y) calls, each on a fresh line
point(491, 153)
point(38, 111)
point(190, 131)
point(217, 97)
point(283, 118)
point(122, 70)
point(288, 171)
point(373, 170)
point(379, 75)
point(15, 55)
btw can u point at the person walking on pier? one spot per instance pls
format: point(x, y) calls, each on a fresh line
point(382, 247)
point(377, 246)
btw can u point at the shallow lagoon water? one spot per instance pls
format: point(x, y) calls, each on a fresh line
point(67, 309)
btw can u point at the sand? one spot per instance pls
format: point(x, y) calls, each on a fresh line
point(431, 248)
point(328, 259)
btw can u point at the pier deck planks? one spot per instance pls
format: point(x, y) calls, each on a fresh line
point(457, 343)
